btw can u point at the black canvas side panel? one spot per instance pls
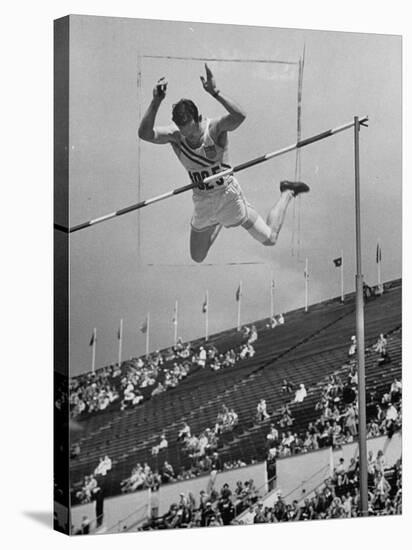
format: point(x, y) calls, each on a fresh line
point(61, 277)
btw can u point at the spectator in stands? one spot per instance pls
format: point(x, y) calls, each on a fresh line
point(208, 515)
point(288, 442)
point(381, 344)
point(167, 472)
point(279, 509)
point(88, 489)
point(105, 464)
point(202, 357)
point(184, 432)
point(367, 292)
point(262, 413)
point(300, 394)
point(391, 418)
point(286, 418)
point(249, 517)
point(253, 336)
point(396, 391)
point(379, 463)
point(247, 350)
point(352, 348)
point(373, 429)
point(280, 319)
point(163, 444)
point(260, 516)
point(158, 389)
point(226, 510)
point(74, 451)
point(287, 386)
point(273, 435)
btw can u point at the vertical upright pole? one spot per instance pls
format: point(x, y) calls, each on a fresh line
point(306, 284)
point(139, 179)
point(378, 261)
point(148, 334)
point(175, 322)
point(94, 350)
point(119, 358)
point(342, 294)
point(239, 302)
point(207, 316)
point(360, 339)
point(272, 298)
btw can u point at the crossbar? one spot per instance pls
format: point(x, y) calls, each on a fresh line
point(228, 172)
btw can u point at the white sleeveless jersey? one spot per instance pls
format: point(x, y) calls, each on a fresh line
point(204, 161)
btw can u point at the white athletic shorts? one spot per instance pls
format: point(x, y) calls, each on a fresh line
point(227, 207)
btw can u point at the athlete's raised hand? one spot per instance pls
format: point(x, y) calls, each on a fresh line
point(209, 83)
point(159, 91)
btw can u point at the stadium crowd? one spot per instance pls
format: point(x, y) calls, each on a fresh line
point(128, 384)
point(337, 497)
point(337, 423)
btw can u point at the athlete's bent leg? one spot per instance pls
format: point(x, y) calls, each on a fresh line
point(201, 241)
point(258, 228)
point(267, 233)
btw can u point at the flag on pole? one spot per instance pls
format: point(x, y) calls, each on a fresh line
point(174, 319)
point(378, 254)
point(205, 305)
point(238, 293)
point(272, 285)
point(338, 261)
point(143, 326)
point(306, 274)
point(119, 332)
point(93, 339)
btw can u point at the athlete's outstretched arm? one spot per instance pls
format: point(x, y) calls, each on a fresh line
point(236, 115)
point(147, 130)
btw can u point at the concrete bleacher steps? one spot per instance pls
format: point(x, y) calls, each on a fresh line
point(307, 348)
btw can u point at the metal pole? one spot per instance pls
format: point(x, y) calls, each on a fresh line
point(306, 284)
point(175, 322)
point(360, 339)
point(272, 298)
point(119, 358)
point(207, 317)
point(239, 305)
point(94, 350)
point(147, 333)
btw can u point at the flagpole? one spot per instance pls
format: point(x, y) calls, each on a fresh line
point(207, 317)
point(120, 342)
point(238, 305)
point(175, 321)
point(272, 301)
point(94, 350)
point(306, 284)
point(147, 333)
point(378, 259)
point(342, 296)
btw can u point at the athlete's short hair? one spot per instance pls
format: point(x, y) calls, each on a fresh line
point(184, 111)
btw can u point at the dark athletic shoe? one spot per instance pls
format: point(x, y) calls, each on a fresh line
point(296, 187)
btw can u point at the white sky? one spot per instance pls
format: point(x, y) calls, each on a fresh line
point(346, 74)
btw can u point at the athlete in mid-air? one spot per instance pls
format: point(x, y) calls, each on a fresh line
point(201, 145)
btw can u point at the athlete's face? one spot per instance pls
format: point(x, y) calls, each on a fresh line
point(190, 130)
